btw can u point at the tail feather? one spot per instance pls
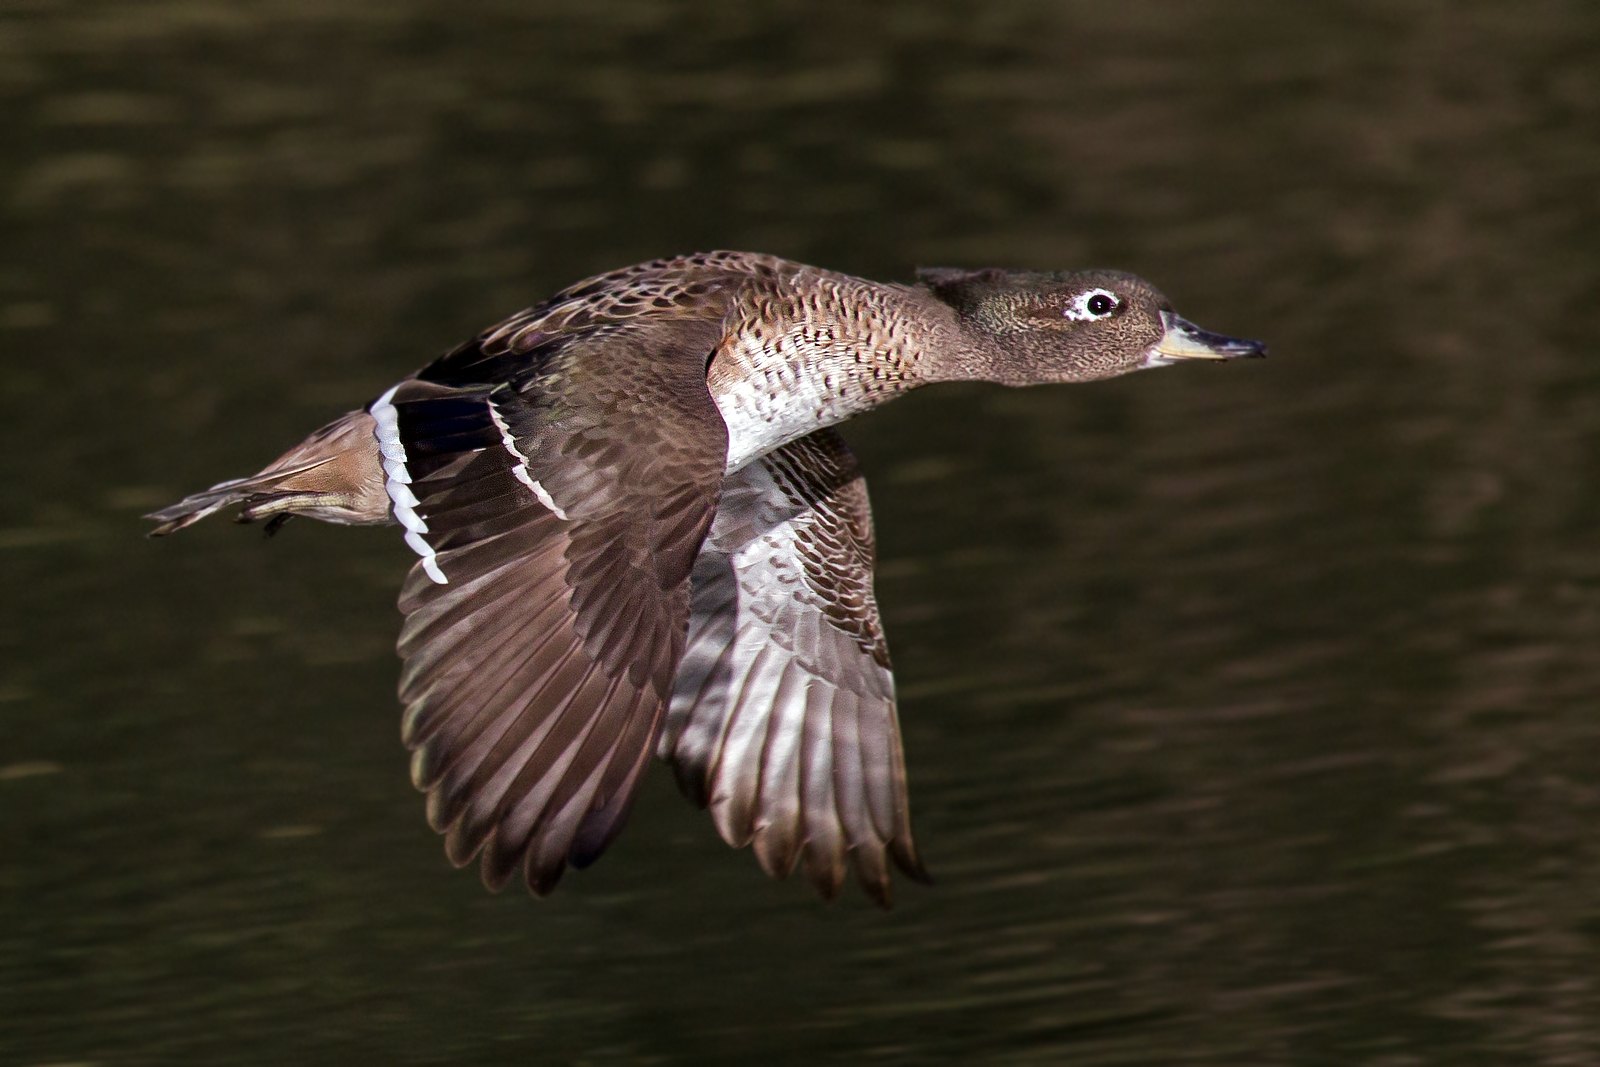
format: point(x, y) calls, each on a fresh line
point(335, 475)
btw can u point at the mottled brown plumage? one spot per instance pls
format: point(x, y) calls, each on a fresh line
point(637, 535)
point(783, 717)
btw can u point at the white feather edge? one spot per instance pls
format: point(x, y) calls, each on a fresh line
point(397, 483)
point(521, 469)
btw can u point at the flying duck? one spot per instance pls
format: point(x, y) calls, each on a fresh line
point(637, 535)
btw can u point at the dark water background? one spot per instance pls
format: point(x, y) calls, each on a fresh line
point(1253, 712)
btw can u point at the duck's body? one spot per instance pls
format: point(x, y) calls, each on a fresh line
point(641, 466)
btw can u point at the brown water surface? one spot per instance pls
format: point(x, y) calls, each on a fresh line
point(1253, 712)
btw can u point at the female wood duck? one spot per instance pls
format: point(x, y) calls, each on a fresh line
point(638, 535)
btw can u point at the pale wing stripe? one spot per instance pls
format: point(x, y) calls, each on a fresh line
point(520, 468)
point(397, 482)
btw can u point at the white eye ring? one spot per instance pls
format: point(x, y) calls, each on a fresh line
point(1079, 309)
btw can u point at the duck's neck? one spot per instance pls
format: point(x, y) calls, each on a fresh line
point(822, 347)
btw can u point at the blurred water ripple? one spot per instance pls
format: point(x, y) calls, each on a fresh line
point(1251, 712)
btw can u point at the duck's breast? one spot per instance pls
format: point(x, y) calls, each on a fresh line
point(795, 361)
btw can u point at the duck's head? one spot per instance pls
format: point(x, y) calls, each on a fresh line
point(1028, 328)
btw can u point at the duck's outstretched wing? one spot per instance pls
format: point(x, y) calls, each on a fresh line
point(783, 712)
point(558, 510)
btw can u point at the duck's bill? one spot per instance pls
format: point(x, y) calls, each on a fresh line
point(1182, 340)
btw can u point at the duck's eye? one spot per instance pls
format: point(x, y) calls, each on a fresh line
point(1095, 304)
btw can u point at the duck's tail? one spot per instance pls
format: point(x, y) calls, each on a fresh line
point(335, 475)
